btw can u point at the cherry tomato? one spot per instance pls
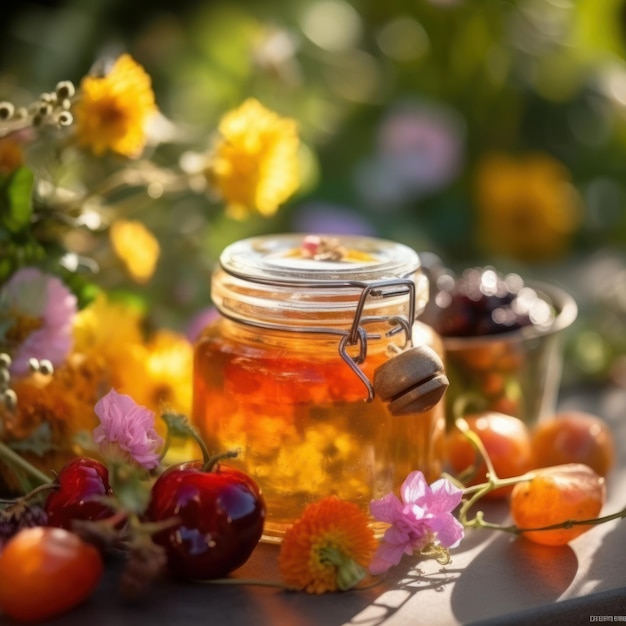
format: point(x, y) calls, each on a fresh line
point(574, 437)
point(81, 482)
point(46, 571)
point(555, 495)
point(506, 440)
point(221, 515)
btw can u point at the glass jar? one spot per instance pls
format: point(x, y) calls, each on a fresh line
point(284, 374)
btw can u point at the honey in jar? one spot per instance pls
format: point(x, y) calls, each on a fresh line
point(284, 374)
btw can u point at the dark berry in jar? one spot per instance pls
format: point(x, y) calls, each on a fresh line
point(482, 302)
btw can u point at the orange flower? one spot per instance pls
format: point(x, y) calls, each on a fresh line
point(328, 548)
point(528, 208)
point(113, 110)
point(11, 155)
point(52, 414)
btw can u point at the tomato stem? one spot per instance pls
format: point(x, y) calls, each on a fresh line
point(179, 425)
point(210, 462)
point(31, 494)
point(594, 521)
point(244, 581)
point(459, 407)
point(478, 491)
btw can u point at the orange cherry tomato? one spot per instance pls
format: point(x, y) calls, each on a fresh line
point(46, 571)
point(574, 437)
point(555, 495)
point(506, 440)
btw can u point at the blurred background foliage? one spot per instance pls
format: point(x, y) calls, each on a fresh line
point(482, 131)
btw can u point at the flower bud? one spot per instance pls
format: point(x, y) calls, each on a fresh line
point(65, 89)
point(48, 98)
point(6, 110)
point(46, 367)
point(64, 118)
point(9, 397)
point(5, 379)
point(45, 109)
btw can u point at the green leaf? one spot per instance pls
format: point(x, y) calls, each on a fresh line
point(178, 425)
point(16, 206)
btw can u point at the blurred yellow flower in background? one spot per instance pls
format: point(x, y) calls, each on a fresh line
point(528, 208)
point(136, 247)
point(255, 162)
point(157, 373)
point(106, 329)
point(113, 110)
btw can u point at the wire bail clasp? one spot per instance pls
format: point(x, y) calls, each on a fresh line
point(357, 335)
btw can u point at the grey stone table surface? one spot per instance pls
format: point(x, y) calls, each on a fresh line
point(494, 578)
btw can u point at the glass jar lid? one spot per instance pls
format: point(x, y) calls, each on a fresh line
point(296, 281)
point(294, 258)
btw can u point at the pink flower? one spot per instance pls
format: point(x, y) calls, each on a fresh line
point(126, 430)
point(38, 312)
point(423, 518)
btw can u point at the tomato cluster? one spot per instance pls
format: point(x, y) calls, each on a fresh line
point(212, 516)
point(212, 520)
point(566, 458)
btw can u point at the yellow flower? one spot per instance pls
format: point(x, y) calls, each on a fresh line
point(157, 374)
point(328, 548)
point(255, 163)
point(136, 246)
point(105, 330)
point(113, 110)
point(528, 208)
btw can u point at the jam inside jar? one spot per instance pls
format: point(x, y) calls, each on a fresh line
point(282, 376)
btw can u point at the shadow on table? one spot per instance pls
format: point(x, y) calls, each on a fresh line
point(191, 604)
point(509, 575)
point(495, 511)
point(608, 568)
point(401, 589)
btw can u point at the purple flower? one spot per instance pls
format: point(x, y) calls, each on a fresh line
point(420, 150)
point(199, 322)
point(330, 219)
point(37, 311)
point(126, 431)
point(424, 517)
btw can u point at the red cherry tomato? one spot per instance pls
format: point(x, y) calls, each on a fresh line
point(81, 482)
point(45, 572)
point(557, 494)
point(221, 515)
point(506, 440)
point(574, 437)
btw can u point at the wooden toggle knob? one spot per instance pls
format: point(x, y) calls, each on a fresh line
point(412, 382)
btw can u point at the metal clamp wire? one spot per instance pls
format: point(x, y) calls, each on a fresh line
point(353, 362)
point(357, 334)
